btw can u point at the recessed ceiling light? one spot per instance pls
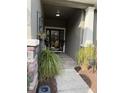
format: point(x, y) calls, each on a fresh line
point(58, 13)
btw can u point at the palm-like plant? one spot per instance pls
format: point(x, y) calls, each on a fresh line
point(49, 64)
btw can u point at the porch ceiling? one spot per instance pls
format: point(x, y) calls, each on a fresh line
point(82, 4)
point(65, 12)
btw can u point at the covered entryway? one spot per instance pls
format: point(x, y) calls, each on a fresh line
point(69, 24)
point(78, 20)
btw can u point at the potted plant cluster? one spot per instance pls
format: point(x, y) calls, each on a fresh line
point(86, 56)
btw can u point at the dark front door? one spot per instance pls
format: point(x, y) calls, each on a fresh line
point(55, 38)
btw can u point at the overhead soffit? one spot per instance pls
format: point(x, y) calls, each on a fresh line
point(82, 4)
point(66, 7)
point(75, 1)
point(65, 12)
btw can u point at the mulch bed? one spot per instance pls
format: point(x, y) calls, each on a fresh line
point(51, 83)
point(89, 77)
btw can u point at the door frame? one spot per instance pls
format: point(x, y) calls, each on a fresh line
point(58, 28)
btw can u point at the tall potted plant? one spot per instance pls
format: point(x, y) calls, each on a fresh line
point(87, 56)
point(48, 65)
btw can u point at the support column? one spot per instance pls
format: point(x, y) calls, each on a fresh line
point(29, 19)
point(88, 25)
point(32, 65)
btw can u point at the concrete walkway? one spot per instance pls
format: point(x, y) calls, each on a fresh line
point(69, 81)
point(67, 62)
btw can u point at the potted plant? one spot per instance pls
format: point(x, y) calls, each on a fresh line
point(91, 55)
point(48, 65)
point(87, 56)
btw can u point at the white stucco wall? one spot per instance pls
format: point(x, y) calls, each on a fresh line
point(34, 6)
